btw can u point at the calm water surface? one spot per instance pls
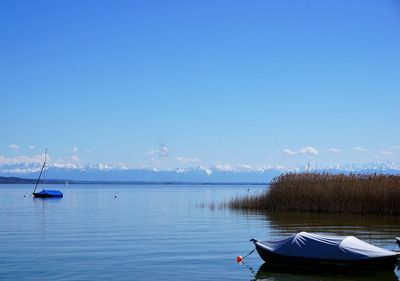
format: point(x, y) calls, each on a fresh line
point(157, 233)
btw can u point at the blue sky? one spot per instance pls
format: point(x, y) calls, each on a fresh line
point(186, 83)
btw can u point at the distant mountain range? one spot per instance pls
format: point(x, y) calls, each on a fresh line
point(215, 174)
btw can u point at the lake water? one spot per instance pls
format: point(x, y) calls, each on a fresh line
point(157, 233)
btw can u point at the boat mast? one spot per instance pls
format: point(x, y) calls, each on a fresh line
point(41, 171)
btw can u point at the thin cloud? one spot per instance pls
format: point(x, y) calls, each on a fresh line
point(187, 159)
point(13, 146)
point(75, 158)
point(334, 150)
point(31, 147)
point(360, 149)
point(385, 152)
point(289, 152)
point(21, 159)
point(162, 152)
point(308, 150)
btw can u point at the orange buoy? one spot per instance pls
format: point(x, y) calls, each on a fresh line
point(239, 259)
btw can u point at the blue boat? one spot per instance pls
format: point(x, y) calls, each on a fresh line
point(45, 193)
point(48, 193)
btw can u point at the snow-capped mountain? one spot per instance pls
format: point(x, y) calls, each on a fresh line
point(218, 173)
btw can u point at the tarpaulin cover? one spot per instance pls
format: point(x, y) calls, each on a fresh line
point(309, 245)
point(50, 193)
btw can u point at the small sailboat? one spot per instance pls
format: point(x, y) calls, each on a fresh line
point(45, 193)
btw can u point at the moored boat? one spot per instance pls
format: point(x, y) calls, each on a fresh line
point(48, 193)
point(308, 249)
point(45, 193)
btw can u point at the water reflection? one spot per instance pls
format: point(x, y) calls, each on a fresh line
point(378, 230)
point(45, 206)
point(272, 273)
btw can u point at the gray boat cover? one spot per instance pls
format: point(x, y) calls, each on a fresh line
point(310, 245)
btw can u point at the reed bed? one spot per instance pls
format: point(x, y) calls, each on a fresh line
point(322, 192)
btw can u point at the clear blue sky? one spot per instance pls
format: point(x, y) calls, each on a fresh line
point(188, 83)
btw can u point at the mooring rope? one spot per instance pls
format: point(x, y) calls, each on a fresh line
point(239, 259)
point(249, 253)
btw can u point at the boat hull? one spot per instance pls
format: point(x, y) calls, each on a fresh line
point(48, 194)
point(387, 262)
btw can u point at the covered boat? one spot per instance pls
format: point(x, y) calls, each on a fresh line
point(308, 249)
point(48, 193)
point(45, 193)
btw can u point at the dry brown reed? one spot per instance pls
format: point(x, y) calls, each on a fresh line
point(323, 192)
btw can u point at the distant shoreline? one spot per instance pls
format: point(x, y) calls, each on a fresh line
point(17, 180)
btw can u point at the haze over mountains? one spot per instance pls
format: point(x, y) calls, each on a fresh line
point(219, 173)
